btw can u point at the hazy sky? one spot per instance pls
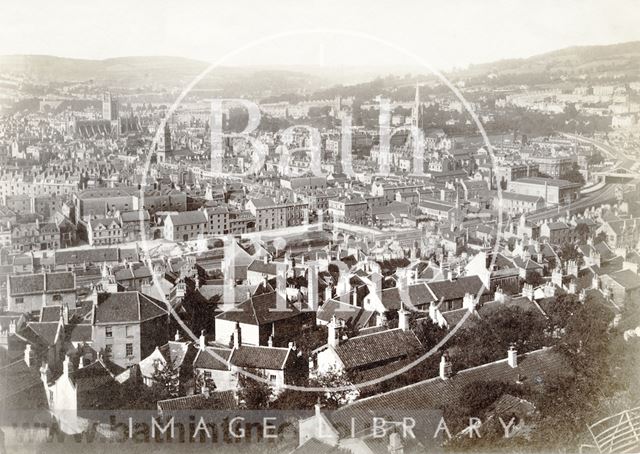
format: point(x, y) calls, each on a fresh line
point(446, 33)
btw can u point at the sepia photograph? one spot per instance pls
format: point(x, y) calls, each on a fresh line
point(305, 227)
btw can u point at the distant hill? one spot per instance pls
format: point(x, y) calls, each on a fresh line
point(621, 58)
point(132, 72)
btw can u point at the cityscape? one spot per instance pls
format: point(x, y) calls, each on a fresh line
point(304, 258)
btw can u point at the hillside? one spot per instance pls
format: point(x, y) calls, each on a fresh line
point(133, 72)
point(621, 58)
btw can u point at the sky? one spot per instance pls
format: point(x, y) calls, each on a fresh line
point(445, 34)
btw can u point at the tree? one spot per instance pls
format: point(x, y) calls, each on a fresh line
point(167, 377)
point(253, 394)
point(202, 381)
point(334, 378)
point(290, 399)
point(499, 328)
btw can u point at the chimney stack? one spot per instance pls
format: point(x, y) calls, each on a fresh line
point(45, 374)
point(512, 357)
point(237, 336)
point(29, 356)
point(66, 366)
point(395, 444)
point(445, 367)
point(469, 302)
point(333, 339)
point(202, 343)
point(403, 319)
point(177, 336)
point(270, 341)
point(312, 287)
point(328, 292)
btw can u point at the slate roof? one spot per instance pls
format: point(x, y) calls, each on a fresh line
point(534, 368)
point(207, 359)
point(50, 313)
point(457, 288)
point(126, 307)
point(94, 256)
point(259, 310)
point(252, 357)
point(259, 266)
point(220, 400)
point(134, 216)
point(348, 313)
point(627, 279)
point(419, 295)
point(45, 332)
point(80, 332)
point(188, 218)
point(24, 284)
point(383, 346)
point(17, 378)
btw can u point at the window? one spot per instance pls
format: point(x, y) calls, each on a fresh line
point(272, 378)
point(108, 331)
point(129, 349)
point(57, 297)
point(108, 350)
point(19, 300)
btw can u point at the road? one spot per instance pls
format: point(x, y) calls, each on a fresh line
point(604, 195)
point(623, 159)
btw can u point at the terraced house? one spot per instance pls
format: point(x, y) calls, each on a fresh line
point(105, 231)
point(31, 292)
point(127, 326)
point(185, 226)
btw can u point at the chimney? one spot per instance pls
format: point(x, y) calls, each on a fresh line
point(177, 336)
point(395, 444)
point(527, 291)
point(549, 290)
point(202, 343)
point(66, 366)
point(499, 295)
point(312, 287)
point(572, 287)
point(29, 356)
point(65, 314)
point(328, 292)
point(432, 311)
point(512, 357)
point(595, 281)
point(237, 336)
point(469, 302)
point(556, 276)
point(270, 341)
point(45, 374)
point(205, 391)
point(403, 319)
point(333, 338)
point(12, 327)
point(354, 297)
point(445, 367)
